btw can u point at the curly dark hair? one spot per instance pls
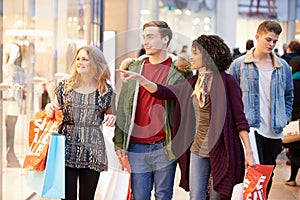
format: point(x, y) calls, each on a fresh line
point(216, 54)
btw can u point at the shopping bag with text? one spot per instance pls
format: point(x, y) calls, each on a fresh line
point(40, 128)
point(256, 181)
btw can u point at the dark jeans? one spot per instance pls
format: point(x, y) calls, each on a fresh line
point(88, 180)
point(268, 150)
point(294, 149)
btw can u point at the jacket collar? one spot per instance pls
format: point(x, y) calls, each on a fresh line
point(249, 58)
point(172, 56)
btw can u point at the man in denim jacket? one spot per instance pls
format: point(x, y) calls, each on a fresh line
point(267, 86)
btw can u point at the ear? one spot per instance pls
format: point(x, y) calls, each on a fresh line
point(257, 36)
point(165, 39)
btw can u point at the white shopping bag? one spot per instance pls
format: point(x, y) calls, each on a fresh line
point(237, 193)
point(253, 145)
point(115, 184)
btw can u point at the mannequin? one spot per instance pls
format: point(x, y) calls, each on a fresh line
point(14, 96)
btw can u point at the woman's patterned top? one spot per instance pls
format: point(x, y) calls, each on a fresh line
point(81, 124)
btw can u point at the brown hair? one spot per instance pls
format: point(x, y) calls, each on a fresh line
point(269, 26)
point(164, 28)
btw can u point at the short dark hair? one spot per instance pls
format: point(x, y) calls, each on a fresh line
point(216, 54)
point(164, 28)
point(293, 45)
point(249, 44)
point(295, 64)
point(269, 26)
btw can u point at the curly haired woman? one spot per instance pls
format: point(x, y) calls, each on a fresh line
point(210, 120)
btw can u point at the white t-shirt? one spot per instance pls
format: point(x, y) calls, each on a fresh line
point(265, 100)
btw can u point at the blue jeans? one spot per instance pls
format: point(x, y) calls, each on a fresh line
point(150, 166)
point(199, 177)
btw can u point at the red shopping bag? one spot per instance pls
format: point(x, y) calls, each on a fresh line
point(126, 167)
point(256, 181)
point(40, 129)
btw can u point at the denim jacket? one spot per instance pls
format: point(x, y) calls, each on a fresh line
point(246, 73)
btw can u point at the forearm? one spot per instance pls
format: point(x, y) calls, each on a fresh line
point(148, 85)
point(246, 141)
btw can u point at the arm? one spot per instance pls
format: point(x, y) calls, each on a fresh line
point(249, 159)
point(129, 75)
point(241, 123)
point(110, 116)
point(121, 122)
point(51, 107)
point(289, 94)
point(233, 70)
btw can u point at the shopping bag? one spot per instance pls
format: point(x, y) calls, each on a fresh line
point(237, 192)
point(253, 145)
point(256, 181)
point(40, 128)
point(291, 132)
point(115, 184)
point(50, 183)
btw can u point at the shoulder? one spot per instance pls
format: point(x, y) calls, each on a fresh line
point(230, 80)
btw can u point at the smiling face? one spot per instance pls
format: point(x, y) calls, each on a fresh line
point(196, 58)
point(83, 63)
point(154, 43)
point(266, 41)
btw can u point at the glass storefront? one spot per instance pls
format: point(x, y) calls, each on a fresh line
point(187, 19)
point(39, 39)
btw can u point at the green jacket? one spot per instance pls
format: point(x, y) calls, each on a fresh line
point(127, 104)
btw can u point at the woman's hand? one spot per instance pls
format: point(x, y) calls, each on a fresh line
point(109, 120)
point(249, 160)
point(50, 108)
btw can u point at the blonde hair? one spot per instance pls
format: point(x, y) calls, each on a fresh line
point(99, 66)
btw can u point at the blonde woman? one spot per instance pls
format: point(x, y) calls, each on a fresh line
point(86, 103)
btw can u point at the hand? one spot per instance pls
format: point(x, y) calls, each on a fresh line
point(109, 120)
point(50, 108)
point(120, 153)
point(249, 160)
point(125, 163)
point(129, 75)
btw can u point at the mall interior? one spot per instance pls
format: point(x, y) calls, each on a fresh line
point(48, 33)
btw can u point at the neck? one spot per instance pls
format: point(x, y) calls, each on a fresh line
point(158, 58)
point(87, 81)
point(260, 55)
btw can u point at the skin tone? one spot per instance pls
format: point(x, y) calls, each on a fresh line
point(156, 48)
point(87, 85)
point(265, 44)
point(196, 62)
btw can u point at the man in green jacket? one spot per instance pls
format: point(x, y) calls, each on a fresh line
point(144, 123)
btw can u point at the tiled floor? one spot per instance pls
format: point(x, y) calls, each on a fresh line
point(14, 182)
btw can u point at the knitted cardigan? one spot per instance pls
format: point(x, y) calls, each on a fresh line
point(226, 151)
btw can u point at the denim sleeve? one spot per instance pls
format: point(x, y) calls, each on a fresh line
point(289, 93)
point(234, 70)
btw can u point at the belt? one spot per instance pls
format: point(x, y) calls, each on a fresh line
point(149, 143)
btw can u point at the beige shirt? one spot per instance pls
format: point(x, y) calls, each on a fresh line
point(200, 143)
